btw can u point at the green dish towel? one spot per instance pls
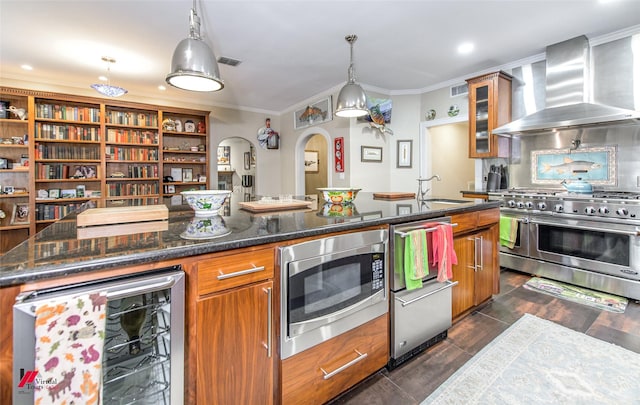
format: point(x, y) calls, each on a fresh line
point(416, 264)
point(508, 231)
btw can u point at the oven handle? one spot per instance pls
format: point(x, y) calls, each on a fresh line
point(405, 303)
point(361, 356)
point(635, 232)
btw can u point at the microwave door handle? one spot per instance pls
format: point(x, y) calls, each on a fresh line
point(635, 232)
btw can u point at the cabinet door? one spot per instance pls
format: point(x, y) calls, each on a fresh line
point(462, 296)
point(480, 102)
point(235, 363)
point(487, 275)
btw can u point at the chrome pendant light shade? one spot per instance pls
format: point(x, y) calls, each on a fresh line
point(352, 101)
point(194, 66)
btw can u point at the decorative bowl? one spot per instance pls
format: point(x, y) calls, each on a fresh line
point(206, 228)
point(338, 210)
point(337, 195)
point(206, 202)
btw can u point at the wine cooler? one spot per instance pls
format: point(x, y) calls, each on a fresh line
point(143, 354)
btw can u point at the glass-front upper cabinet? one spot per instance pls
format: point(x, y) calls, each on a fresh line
point(489, 108)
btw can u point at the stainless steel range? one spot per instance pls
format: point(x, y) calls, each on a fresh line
point(591, 240)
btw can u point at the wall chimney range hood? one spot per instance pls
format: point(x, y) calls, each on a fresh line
point(567, 92)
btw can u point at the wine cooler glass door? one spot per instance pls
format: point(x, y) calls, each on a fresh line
point(143, 355)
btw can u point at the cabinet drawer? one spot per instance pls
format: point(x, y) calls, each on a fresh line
point(488, 217)
point(233, 270)
point(316, 375)
point(466, 222)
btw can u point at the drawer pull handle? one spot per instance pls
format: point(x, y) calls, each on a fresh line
point(448, 284)
point(255, 269)
point(344, 367)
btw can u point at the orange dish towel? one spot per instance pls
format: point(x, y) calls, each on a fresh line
point(69, 349)
point(443, 254)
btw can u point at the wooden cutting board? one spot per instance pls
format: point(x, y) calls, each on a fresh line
point(255, 206)
point(394, 195)
point(122, 215)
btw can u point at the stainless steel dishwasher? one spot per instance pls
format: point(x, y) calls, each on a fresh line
point(420, 318)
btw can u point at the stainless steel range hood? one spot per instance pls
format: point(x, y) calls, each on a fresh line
point(567, 76)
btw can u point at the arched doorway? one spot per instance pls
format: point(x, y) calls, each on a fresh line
point(324, 165)
point(236, 160)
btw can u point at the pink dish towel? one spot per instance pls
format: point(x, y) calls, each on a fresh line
point(69, 349)
point(442, 253)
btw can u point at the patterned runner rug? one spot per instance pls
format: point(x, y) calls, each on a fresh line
point(581, 295)
point(536, 361)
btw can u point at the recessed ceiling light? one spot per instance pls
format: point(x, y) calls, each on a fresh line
point(26, 67)
point(103, 78)
point(161, 87)
point(465, 47)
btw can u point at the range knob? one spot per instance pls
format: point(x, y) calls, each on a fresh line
point(542, 206)
point(511, 204)
point(558, 208)
point(590, 210)
point(528, 204)
point(623, 212)
point(520, 204)
point(603, 210)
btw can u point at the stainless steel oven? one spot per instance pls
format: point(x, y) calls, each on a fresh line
point(590, 240)
point(610, 248)
point(331, 285)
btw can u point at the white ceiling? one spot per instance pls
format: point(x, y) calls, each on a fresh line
point(290, 50)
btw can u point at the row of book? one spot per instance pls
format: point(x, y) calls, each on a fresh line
point(45, 212)
point(67, 112)
point(132, 136)
point(123, 189)
point(59, 151)
point(61, 171)
point(130, 153)
point(67, 132)
point(139, 119)
point(142, 172)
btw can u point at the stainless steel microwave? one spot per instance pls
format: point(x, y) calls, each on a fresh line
point(330, 286)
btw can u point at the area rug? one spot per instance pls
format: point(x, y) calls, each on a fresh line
point(536, 361)
point(577, 294)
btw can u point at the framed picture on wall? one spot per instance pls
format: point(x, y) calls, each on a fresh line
point(20, 214)
point(404, 154)
point(370, 154)
point(247, 160)
point(311, 162)
point(313, 114)
point(224, 155)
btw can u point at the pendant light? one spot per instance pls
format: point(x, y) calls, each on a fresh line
point(107, 89)
point(352, 101)
point(194, 66)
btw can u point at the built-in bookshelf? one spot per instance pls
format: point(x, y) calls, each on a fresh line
point(70, 151)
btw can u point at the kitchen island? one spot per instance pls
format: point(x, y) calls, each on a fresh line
point(57, 257)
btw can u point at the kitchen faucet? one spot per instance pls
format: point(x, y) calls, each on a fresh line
point(421, 193)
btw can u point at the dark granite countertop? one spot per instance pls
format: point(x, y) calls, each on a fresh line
point(58, 251)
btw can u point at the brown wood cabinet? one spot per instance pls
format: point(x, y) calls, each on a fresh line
point(489, 108)
point(234, 336)
point(235, 346)
point(478, 270)
point(316, 375)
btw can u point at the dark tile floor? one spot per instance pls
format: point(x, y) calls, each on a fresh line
point(413, 381)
